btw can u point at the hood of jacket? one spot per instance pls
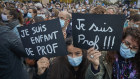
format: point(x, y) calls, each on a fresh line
point(13, 24)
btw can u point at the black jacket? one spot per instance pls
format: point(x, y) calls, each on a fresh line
point(11, 51)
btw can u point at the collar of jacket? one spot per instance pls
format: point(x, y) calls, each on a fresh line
point(107, 66)
point(13, 24)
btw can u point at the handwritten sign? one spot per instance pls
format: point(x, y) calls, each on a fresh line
point(103, 32)
point(43, 39)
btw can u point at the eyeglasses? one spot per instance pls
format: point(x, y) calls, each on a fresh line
point(127, 45)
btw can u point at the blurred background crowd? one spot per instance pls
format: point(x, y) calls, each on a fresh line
point(16, 14)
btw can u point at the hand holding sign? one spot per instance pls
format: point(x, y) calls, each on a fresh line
point(93, 56)
point(103, 32)
point(43, 64)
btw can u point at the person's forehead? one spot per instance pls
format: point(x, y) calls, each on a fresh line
point(73, 49)
point(61, 15)
point(131, 40)
point(30, 10)
point(110, 10)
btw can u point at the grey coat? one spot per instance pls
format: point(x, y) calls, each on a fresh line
point(11, 51)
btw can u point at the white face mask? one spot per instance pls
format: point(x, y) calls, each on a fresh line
point(4, 17)
point(62, 23)
point(75, 61)
point(42, 15)
point(135, 25)
point(83, 10)
point(78, 11)
point(126, 52)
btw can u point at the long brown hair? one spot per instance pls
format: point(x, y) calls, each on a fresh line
point(135, 33)
point(17, 15)
point(61, 68)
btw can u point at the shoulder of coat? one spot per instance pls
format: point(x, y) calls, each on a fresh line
point(104, 53)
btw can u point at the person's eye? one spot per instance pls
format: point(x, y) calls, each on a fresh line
point(69, 53)
point(77, 53)
point(135, 48)
point(4, 13)
point(127, 43)
point(61, 18)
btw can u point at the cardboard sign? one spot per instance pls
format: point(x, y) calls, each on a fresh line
point(43, 39)
point(103, 32)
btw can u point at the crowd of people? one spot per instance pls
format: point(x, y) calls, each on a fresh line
point(79, 63)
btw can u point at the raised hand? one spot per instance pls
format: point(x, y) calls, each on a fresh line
point(43, 64)
point(93, 56)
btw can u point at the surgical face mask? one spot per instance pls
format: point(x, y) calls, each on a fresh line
point(38, 14)
point(87, 7)
point(77, 6)
point(125, 52)
point(135, 25)
point(29, 15)
point(4, 17)
point(78, 11)
point(83, 10)
point(138, 12)
point(50, 8)
point(22, 11)
point(42, 15)
point(62, 23)
point(57, 7)
point(75, 61)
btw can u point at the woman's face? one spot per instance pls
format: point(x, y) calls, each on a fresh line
point(7, 13)
point(24, 9)
point(74, 51)
point(131, 43)
point(31, 11)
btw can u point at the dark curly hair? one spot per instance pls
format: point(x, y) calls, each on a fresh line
point(135, 33)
